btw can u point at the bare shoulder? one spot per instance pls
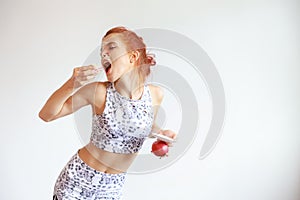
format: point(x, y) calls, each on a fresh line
point(157, 94)
point(93, 91)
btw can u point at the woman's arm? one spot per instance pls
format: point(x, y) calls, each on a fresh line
point(157, 98)
point(62, 102)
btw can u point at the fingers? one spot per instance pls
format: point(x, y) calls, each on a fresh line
point(170, 144)
point(84, 74)
point(169, 133)
point(89, 67)
point(86, 70)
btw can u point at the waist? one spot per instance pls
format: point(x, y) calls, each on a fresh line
point(104, 161)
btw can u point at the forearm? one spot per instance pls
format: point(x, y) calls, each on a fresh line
point(56, 101)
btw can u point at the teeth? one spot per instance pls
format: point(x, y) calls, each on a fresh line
point(105, 62)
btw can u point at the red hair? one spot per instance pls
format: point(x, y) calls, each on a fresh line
point(134, 42)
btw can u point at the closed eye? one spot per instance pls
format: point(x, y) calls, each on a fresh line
point(111, 47)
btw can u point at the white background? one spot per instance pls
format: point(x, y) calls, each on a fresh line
point(254, 45)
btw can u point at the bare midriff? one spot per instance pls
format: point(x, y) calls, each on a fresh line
point(104, 161)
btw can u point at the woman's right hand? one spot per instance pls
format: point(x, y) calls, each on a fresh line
point(83, 75)
point(61, 103)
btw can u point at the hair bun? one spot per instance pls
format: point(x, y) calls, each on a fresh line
point(151, 60)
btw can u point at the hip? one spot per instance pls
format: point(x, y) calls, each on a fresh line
point(77, 179)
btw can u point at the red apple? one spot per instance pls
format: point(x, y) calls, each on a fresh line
point(160, 148)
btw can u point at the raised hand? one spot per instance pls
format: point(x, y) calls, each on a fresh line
point(84, 74)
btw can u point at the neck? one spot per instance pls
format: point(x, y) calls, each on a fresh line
point(129, 85)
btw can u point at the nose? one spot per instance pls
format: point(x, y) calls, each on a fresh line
point(104, 54)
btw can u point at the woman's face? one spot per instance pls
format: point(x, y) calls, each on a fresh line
point(114, 57)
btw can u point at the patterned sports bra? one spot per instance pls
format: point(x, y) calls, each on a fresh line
point(124, 124)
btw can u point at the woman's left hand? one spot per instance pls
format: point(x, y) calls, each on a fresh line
point(168, 133)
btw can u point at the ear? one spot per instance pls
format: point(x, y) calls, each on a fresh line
point(134, 56)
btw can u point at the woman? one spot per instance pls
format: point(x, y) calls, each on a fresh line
point(123, 117)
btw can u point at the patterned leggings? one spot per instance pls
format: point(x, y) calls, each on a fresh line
point(79, 181)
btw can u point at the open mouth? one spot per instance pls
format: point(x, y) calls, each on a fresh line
point(107, 65)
